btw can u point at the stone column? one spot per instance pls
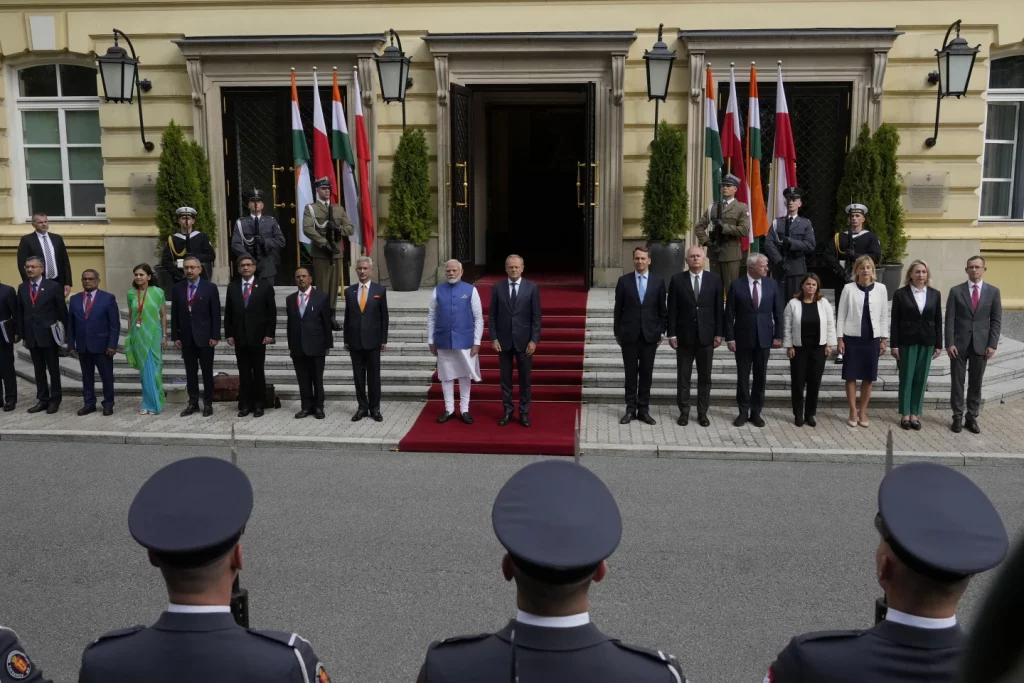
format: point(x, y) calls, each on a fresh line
point(695, 140)
point(444, 151)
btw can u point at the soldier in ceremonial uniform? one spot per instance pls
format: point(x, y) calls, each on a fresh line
point(184, 243)
point(190, 517)
point(720, 229)
point(258, 236)
point(790, 238)
point(559, 523)
point(851, 245)
point(15, 666)
point(938, 529)
point(325, 224)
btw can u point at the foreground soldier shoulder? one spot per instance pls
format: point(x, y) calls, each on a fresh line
point(16, 666)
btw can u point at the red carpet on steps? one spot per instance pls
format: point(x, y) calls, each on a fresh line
point(557, 385)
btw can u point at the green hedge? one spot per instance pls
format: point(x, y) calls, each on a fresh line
point(666, 204)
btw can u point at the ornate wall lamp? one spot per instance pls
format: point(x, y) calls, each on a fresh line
point(120, 74)
point(956, 62)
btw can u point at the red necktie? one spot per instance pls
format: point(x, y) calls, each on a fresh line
point(975, 298)
point(88, 305)
point(757, 300)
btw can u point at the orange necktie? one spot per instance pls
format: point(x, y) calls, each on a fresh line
point(362, 298)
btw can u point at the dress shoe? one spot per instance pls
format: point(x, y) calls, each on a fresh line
point(108, 411)
point(627, 418)
point(703, 421)
point(53, 408)
point(189, 409)
point(207, 410)
point(85, 410)
point(810, 421)
point(839, 359)
point(37, 408)
point(303, 413)
point(683, 420)
point(257, 412)
point(335, 325)
point(444, 417)
point(956, 427)
point(524, 419)
point(798, 421)
point(757, 421)
point(360, 414)
point(466, 417)
point(243, 412)
point(9, 406)
point(972, 425)
point(505, 419)
point(319, 414)
point(376, 416)
point(646, 418)
point(739, 421)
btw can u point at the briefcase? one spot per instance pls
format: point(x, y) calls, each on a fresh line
point(225, 387)
point(272, 400)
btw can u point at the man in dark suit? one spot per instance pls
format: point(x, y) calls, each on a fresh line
point(696, 324)
point(310, 335)
point(639, 323)
point(40, 306)
point(366, 335)
point(753, 327)
point(974, 319)
point(514, 326)
point(250, 321)
point(195, 329)
point(94, 324)
point(9, 317)
point(49, 247)
point(787, 244)
point(938, 529)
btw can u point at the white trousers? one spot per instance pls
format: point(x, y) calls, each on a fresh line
point(448, 388)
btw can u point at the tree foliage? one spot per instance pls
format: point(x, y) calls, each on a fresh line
point(665, 204)
point(894, 239)
point(183, 179)
point(206, 221)
point(409, 209)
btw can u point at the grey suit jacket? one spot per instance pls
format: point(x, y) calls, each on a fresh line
point(514, 328)
point(969, 330)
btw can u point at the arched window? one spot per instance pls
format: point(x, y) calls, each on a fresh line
point(58, 111)
point(1002, 176)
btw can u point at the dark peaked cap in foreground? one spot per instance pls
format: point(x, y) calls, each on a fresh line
point(557, 520)
point(939, 523)
point(192, 511)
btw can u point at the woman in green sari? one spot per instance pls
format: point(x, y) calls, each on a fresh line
point(147, 335)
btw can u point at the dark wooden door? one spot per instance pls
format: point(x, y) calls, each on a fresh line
point(460, 177)
point(589, 196)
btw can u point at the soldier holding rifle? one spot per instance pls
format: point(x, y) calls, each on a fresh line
point(258, 236)
point(790, 239)
point(325, 224)
point(720, 229)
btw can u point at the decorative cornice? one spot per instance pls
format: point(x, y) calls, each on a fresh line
point(582, 42)
point(750, 40)
point(236, 47)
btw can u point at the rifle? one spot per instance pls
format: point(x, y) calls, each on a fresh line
point(239, 595)
point(881, 604)
point(715, 242)
point(850, 251)
point(332, 233)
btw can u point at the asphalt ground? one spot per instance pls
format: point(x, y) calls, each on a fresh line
point(371, 557)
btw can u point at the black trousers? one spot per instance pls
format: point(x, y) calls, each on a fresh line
point(685, 356)
point(45, 359)
point(805, 370)
point(252, 377)
point(7, 374)
point(524, 364)
point(751, 400)
point(366, 369)
point(90, 364)
point(309, 370)
point(638, 360)
point(196, 357)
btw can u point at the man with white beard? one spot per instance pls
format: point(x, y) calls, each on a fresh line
point(455, 325)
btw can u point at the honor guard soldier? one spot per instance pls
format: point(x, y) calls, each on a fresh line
point(325, 224)
point(938, 529)
point(15, 666)
point(258, 236)
point(184, 243)
point(190, 517)
point(720, 229)
point(559, 523)
point(789, 240)
point(851, 244)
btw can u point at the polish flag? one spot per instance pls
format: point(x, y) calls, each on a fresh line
point(322, 166)
point(732, 150)
point(784, 157)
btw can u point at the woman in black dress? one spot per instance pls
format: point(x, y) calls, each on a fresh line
point(862, 327)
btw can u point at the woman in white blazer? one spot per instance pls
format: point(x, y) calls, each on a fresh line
point(808, 335)
point(862, 323)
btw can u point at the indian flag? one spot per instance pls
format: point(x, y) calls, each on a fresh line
point(712, 140)
point(732, 150)
point(758, 213)
point(300, 152)
point(784, 161)
point(341, 150)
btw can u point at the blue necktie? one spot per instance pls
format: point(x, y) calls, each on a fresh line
point(642, 287)
point(34, 288)
point(245, 294)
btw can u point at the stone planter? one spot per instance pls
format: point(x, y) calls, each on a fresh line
point(405, 264)
point(667, 259)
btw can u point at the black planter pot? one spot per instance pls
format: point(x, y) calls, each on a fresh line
point(405, 264)
point(667, 259)
point(890, 274)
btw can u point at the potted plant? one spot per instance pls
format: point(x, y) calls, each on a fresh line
point(665, 202)
point(893, 238)
point(860, 185)
point(409, 215)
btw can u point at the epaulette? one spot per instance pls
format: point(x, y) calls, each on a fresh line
point(459, 639)
point(827, 635)
point(286, 639)
point(667, 660)
point(117, 633)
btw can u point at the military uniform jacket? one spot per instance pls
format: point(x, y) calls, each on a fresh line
point(887, 653)
point(545, 655)
point(15, 665)
point(864, 244)
point(801, 242)
point(273, 239)
point(736, 218)
point(198, 648)
point(314, 216)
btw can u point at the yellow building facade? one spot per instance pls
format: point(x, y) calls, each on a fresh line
point(524, 105)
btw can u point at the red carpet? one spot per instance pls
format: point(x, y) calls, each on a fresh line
point(557, 380)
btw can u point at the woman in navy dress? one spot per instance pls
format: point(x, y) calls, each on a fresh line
point(862, 325)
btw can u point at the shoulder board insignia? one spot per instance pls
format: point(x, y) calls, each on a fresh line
point(668, 660)
point(460, 639)
point(119, 633)
point(286, 639)
point(827, 635)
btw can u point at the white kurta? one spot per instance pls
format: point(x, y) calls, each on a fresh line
point(455, 363)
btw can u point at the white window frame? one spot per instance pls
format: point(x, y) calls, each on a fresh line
point(998, 99)
point(19, 170)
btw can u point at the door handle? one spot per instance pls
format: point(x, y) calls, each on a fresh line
point(273, 187)
point(579, 166)
point(464, 165)
point(448, 183)
point(597, 183)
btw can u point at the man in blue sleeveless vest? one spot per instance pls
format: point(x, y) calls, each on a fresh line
point(455, 324)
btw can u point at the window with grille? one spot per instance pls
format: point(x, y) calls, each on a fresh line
point(58, 111)
point(1002, 176)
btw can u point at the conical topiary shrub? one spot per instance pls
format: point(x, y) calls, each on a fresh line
point(860, 185)
point(665, 204)
point(206, 221)
point(409, 215)
point(177, 182)
point(893, 239)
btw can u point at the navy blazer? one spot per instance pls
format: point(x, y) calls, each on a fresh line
point(752, 329)
point(9, 307)
point(366, 330)
point(202, 323)
point(100, 330)
point(310, 334)
point(514, 328)
point(634, 321)
point(30, 246)
point(34, 320)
